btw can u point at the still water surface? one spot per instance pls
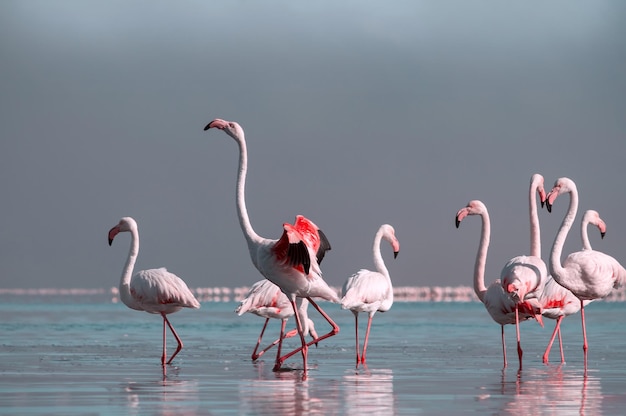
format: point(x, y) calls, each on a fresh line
point(70, 356)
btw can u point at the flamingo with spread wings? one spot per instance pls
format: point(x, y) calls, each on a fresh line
point(292, 261)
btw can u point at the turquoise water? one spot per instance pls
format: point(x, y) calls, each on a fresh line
point(70, 356)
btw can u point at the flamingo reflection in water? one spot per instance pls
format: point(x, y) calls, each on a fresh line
point(552, 390)
point(285, 393)
point(368, 392)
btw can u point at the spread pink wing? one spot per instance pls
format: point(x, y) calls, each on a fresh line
point(313, 236)
point(298, 242)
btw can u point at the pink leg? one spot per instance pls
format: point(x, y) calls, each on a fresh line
point(503, 346)
point(333, 331)
point(561, 347)
point(367, 336)
point(585, 346)
point(556, 330)
point(280, 343)
point(255, 356)
point(304, 348)
point(164, 336)
point(519, 343)
point(180, 343)
point(356, 332)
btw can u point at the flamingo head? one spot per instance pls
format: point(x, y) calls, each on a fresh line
point(232, 128)
point(389, 234)
point(126, 224)
point(561, 186)
point(591, 216)
point(474, 207)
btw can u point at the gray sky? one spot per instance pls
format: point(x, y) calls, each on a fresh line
point(356, 114)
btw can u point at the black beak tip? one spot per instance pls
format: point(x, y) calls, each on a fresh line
point(457, 222)
point(110, 241)
point(395, 254)
point(208, 126)
point(549, 206)
point(602, 235)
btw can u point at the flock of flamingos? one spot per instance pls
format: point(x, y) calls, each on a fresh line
point(290, 266)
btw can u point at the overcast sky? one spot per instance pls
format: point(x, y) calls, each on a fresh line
point(356, 113)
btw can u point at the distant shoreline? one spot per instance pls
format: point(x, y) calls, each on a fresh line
point(226, 294)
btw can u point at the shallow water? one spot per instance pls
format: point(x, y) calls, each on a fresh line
point(69, 355)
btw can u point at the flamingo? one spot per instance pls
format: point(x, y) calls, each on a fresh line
point(371, 291)
point(292, 261)
point(266, 300)
point(558, 302)
point(498, 303)
point(153, 290)
point(588, 274)
point(523, 277)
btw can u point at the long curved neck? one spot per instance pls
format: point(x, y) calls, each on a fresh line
point(584, 233)
point(481, 258)
point(556, 269)
point(127, 271)
point(379, 263)
point(535, 233)
point(242, 211)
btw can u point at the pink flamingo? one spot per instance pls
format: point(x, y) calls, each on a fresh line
point(266, 300)
point(153, 290)
point(523, 277)
point(498, 303)
point(370, 291)
point(292, 261)
point(588, 274)
point(558, 302)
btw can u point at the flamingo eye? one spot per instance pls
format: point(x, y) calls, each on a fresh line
point(231, 125)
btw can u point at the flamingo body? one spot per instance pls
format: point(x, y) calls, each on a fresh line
point(588, 274)
point(266, 300)
point(155, 290)
point(371, 291)
point(292, 261)
point(501, 307)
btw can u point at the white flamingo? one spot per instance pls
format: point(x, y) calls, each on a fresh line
point(153, 290)
point(558, 302)
point(498, 303)
point(523, 277)
point(588, 274)
point(370, 291)
point(292, 261)
point(266, 300)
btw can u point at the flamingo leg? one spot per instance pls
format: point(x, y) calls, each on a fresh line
point(333, 331)
point(335, 327)
point(556, 330)
point(304, 348)
point(255, 356)
point(519, 343)
point(164, 337)
point(283, 323)
point(585, 346)
point(178, 340)
point(367, 336)
point(561, 347)
point(503, 346)
point(356, 332)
